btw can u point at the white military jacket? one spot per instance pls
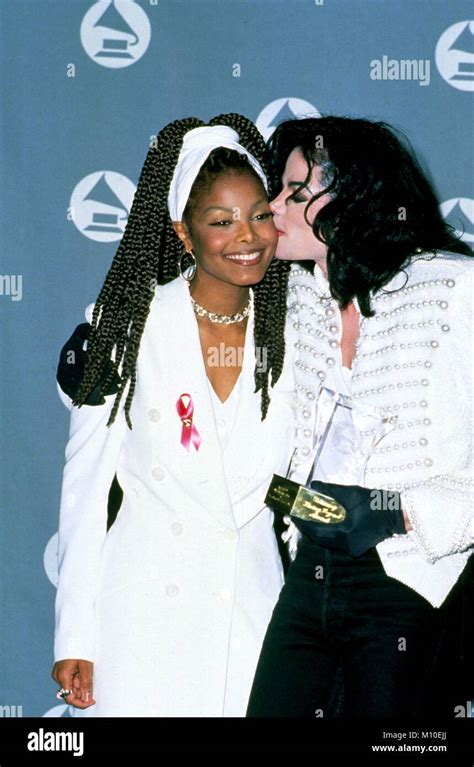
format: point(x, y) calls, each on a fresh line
point(173, 602)
point(414, 359)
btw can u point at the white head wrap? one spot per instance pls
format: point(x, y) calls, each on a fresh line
point(198, 143)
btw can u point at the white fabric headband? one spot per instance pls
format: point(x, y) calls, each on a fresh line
point(198, 143)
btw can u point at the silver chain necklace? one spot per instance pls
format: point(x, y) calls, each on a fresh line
point(222, 319)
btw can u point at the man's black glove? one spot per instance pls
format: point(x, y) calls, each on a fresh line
point(365, 525)
point(71, 368)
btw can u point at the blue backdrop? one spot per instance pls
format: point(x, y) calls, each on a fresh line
point(86, 87)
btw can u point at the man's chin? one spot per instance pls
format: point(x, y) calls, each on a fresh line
point(283, 255)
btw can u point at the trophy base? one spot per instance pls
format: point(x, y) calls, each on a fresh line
point(292, 499)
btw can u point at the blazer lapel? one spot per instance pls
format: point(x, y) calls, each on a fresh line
point(182, 371)
point(258, 448)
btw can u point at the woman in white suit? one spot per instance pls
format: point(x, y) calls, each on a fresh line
point(164, 613)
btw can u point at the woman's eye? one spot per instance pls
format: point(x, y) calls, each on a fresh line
point(299, 198)
point(263, 216)
point(224, 222)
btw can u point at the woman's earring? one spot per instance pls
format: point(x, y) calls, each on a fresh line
point(187, 265)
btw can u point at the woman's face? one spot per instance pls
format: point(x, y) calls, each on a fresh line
point(231, 231)
point(296, 241)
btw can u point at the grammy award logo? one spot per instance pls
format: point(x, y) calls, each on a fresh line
point(459, 213)
point(100, 204)
point(455, 55)
point(115, 33)
point(283, 109)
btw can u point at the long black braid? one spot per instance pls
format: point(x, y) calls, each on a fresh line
point(149, 253)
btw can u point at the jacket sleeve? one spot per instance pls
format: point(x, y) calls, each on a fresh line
point(92, 455)
point(441, 507)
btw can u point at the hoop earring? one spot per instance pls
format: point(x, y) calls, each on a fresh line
point(188, 271)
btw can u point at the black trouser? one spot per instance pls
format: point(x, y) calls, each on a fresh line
point(346, 640)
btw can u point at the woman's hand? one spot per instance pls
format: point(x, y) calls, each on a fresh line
point(75, 675)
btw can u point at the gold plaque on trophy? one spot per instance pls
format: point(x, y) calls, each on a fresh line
point(344, 436)
point(290, 498)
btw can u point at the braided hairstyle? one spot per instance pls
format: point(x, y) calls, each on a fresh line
point(149, 253)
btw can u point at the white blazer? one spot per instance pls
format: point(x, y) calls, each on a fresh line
point(173, 602)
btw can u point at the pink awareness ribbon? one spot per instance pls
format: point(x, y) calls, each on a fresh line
point(189, 433)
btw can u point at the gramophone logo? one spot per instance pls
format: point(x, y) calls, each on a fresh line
point(459, 213)
point(455, 55)
point(115, 33)
point(50, 559)
point(283, 109)
point(100, 205)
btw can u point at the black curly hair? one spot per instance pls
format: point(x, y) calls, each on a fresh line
point(382, 209)
point(149, 254)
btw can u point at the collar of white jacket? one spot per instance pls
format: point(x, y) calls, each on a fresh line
point(198, 143)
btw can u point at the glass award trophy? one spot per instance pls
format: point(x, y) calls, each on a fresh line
point(344, 436)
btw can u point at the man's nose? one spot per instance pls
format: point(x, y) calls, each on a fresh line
point(277, 204)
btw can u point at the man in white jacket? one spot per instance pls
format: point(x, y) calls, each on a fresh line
point(384, 319)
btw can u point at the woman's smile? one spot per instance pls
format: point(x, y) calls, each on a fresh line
point(246, 259)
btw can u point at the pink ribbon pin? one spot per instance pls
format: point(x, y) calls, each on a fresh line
point(189, 433)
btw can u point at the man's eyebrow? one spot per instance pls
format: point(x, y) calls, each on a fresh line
point(301, 185)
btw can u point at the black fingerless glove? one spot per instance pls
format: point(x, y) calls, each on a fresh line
point(365, 525)
point(72, 361)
